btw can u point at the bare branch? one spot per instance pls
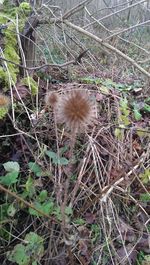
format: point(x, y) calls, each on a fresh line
point(76, 61)
point(127, 29)
point(112, 14)
point(108, 46)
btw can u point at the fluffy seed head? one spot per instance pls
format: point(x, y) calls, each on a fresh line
point(51, 99)
point(4, 101)
point(75, 110)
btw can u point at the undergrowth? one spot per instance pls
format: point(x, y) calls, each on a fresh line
point(74, 160)
point(90, 208)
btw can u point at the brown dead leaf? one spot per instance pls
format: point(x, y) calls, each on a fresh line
point(127, 254)
point(116, 174)
point(23, 91)
point(84, 245)
point(127, 232)
point(144, 244)
point(84, 251)
point(90, 218)
point(136, 145)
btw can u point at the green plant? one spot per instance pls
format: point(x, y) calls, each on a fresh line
point(123, 119)
point(96, 232)
point(145, 176)
point(57, 160)
point(4, 105)
point(31, 83)
point(29, 252)
point(11, 177)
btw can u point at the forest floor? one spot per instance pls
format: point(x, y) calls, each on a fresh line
point(91, 208)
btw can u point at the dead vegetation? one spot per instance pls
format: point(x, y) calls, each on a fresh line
point(75, 159)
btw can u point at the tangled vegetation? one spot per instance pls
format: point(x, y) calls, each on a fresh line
point(74, 144)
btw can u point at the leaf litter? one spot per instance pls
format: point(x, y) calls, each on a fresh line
point(108, 157)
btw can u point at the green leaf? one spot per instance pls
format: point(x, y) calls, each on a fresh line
point(51, 154)
point(19, 255)
point(35, 245)
point(32, 238)
point(118, 133)
point(104, 90)
point(31, 252)
point(145, 197)
point(9, 178)
point(57, 213)
point(11, 166)
point(137, 114)
point(63, 149)
point(43, 195)
point(147, 100)
point(11, 210)
point(35, 168)
point(62, 161)
point(145, 177)
point(29, 186)
point(68, 210)
point(46, 207)
point(147, 108)
point(57, 161)
point(34, 263)
point(79, 221)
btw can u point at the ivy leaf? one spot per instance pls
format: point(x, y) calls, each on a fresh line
point(11, 166)
point(9, 178)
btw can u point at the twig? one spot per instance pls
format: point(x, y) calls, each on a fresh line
point(18, 198)
point(108, 46)
point(76, 61)
point(75, 9)
point(127, 29)
point(121, 10)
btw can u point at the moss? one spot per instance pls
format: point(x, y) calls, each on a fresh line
point(11, 51)
point(30, 82)
point(3, 112)
point(24, 8)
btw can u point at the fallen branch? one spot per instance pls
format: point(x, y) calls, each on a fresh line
point(108, 46)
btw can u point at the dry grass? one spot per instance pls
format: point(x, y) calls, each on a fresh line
point(101, 184)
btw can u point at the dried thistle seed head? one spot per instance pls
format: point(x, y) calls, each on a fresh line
point(76, 110)
point(4, 101)
point(51, 99)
